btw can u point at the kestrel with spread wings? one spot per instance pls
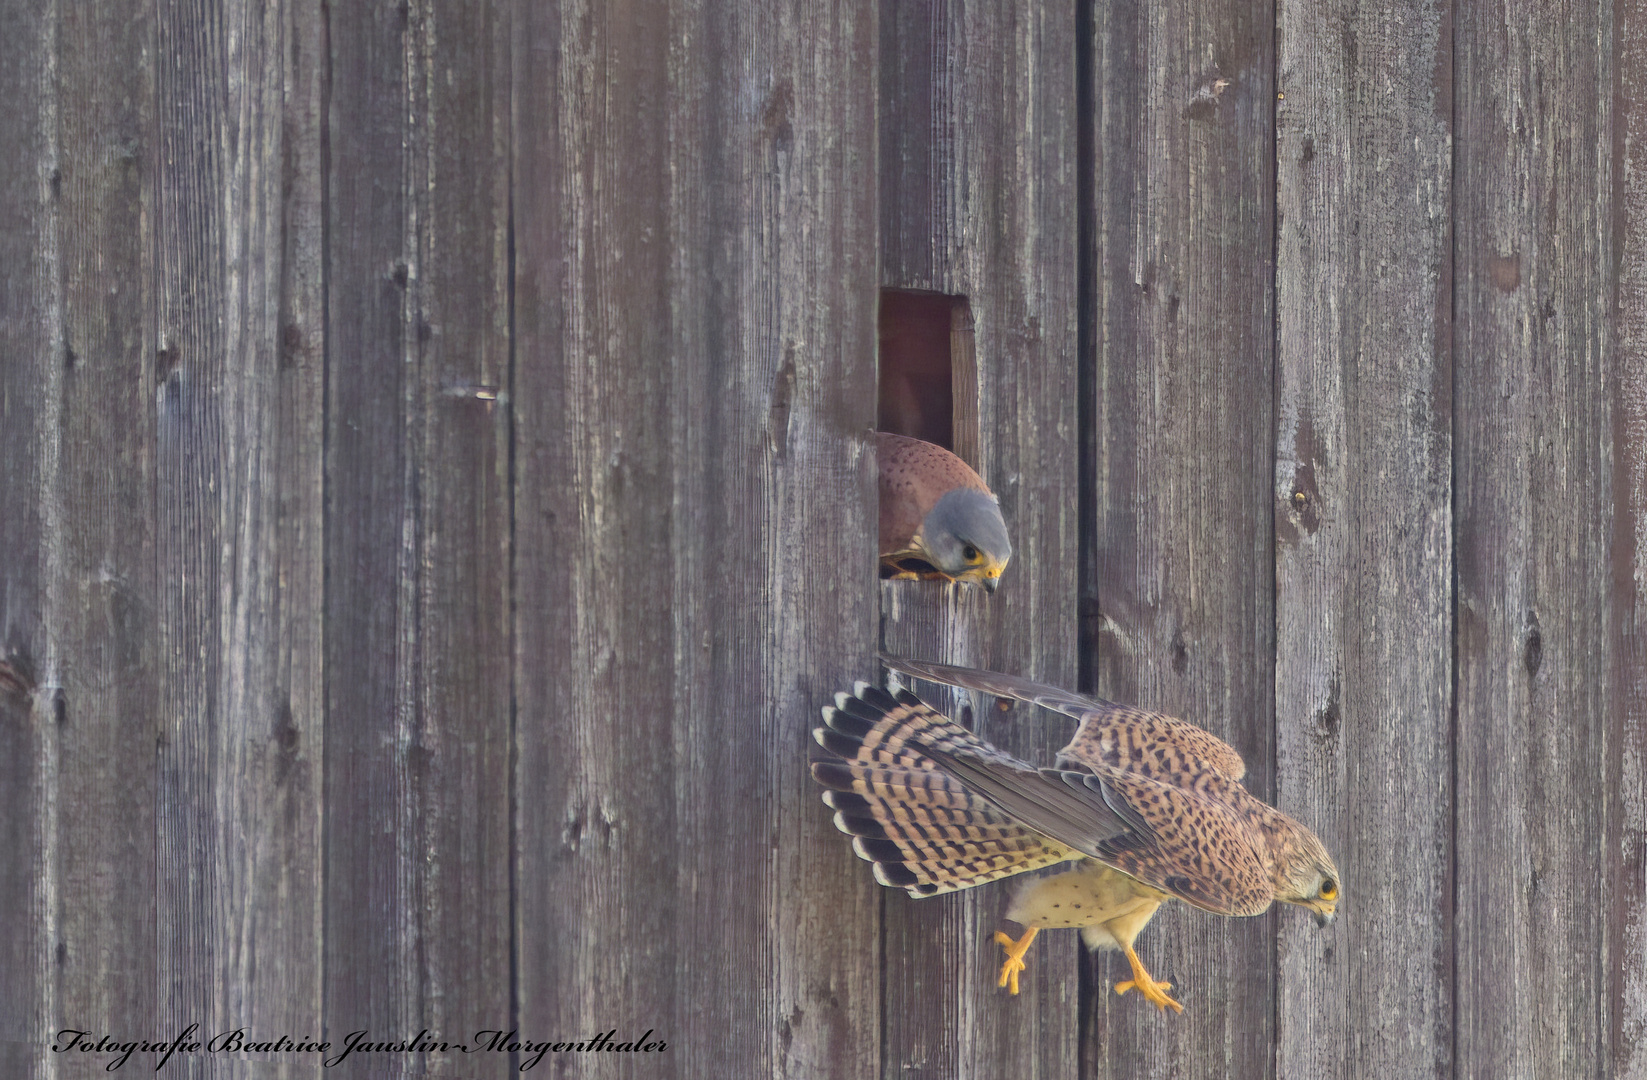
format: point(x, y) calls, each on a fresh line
point(938, 517)
point(1148, 807)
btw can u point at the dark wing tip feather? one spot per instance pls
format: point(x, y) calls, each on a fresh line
point(898, 876)
point(854, 825)
point(847, 802)
point(838, 776)
point(877, 698)
point(836, 742)
point(851, 720)
point(877, 850)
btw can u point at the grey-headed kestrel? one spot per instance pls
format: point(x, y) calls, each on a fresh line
point(1148, 807)
point(938, 517)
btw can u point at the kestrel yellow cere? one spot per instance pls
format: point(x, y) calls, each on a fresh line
point(938, 517)
point(1148, 808)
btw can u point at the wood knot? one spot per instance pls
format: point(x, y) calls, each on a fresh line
point(16, 679)
point(1532, 654)
point(167, 359)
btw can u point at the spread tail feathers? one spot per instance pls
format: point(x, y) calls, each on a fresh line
point(923, 829)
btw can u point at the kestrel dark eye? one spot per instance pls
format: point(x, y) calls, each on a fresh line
point(1329, 889)
point(970, 552)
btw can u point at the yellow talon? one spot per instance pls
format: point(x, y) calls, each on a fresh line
point(1015, 951)
point(1154, 992)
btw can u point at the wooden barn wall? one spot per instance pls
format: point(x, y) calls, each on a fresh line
point(437, 492)
point(1363, 524)
point(1536, 746)
point(1623, 854)
point(418, 664)
point(694, 392)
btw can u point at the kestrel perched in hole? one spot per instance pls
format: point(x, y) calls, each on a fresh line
point(938, 517)
point(1148, 808)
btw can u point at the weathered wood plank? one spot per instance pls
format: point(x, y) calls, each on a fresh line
point(459, 300)
point(978, 199)
point(418, 721)
point(1180, 437)
point(371, 968)
point(31, 389)
point(103, 586)
point(694, 208)
point(238, 490)
point(1363, 527)
point(1627, 989)
point(597, 875)
point(1534, 348)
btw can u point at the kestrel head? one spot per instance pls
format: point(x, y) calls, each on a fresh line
point(1303, 871)
point(965, 538)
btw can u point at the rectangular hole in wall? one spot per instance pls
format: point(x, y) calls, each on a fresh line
point(928, 381)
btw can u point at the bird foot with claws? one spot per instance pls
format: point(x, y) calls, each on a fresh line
point(1154, 992)
point(1014, 962)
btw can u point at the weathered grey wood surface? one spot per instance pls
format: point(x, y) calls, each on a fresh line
point(693, 396)
point(1363, 532)
point(418, 661)
point(1536, 352)
point(436, 494)
point(31, 342)
point(1626, 855)
point(238, 521)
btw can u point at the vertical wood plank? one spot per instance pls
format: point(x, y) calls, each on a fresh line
point(1363, 508)
point(103, 583)
point(192, 365)
point(418, 525)
point(371, 977)
point(597, 882)
point(1628, 721)
point(460, 315)
point(1534, 474)
point(30, 408)
point(283, 804)
point(1180, 586)
point(237, 485)
point(978, 199)
point(695, 256)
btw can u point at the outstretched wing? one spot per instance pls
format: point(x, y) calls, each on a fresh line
point(1111, 737)
point(998, 685)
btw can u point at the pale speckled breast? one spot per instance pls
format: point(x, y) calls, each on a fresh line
point(1090, 894)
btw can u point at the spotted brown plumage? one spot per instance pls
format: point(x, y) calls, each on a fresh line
point(938, 519)
point(924, 831)
point(1148, 807)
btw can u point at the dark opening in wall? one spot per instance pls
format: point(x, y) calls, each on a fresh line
point(928, 382)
